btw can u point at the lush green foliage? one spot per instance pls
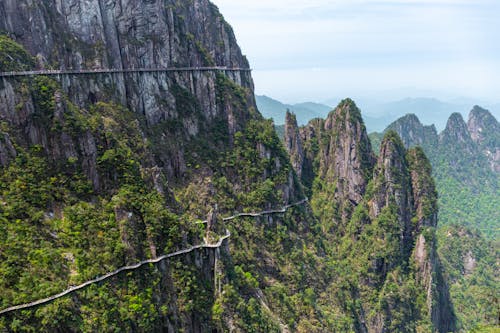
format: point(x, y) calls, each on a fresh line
point(91, 199)
point(471, 265)
point(469, 196)
point(469, 191)
point(13, 57)
point(57, 230)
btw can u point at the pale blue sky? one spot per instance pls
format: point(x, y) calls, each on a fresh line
point(322, 49)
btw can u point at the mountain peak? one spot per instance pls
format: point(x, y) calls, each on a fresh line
point(456, 131)
point(348, 157)
point(346, 111)
point(412, 132)
point(477, 110)
point(293, 142)
point(485, 132)
point(481, 120)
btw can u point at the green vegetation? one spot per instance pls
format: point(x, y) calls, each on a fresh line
point(469, 191)
point(67, 220)
point(58, 230)
point(471, 265)
point(13, 57)
point(94, 196)
point(376, 141)
point(469, 197)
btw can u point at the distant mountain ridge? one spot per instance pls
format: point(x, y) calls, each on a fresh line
point(377, 115)
point(271, 108)
point(465, 159)
point(466, 164)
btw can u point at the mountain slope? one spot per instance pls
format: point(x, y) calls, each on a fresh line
point(467, 180)
point(304, 112)
point(380, 232)
point(471, 265)
point(464, 163)
point(104, 170)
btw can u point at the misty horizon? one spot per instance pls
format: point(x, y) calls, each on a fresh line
point(387, 50)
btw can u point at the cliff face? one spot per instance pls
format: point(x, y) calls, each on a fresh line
point(429, 270)
point(134, 34)
point(392, 181)
point(129, 34)
point(413, 133)
point(382, 212)
point(337, 151)
point(115, 168)
point(347, 158)
point(456, 135)
point(404, 192)
point(485, 132)
point(104, 170)
point(293, 143)
point(411, 129)
point(464, 158)
point(464, 167)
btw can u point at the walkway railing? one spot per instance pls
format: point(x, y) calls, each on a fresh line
point(55, 72)
point(148, 261)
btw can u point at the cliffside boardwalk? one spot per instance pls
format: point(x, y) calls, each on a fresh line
point(149, 261)
point(56, 72)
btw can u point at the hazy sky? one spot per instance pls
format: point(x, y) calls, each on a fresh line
point(321, 49)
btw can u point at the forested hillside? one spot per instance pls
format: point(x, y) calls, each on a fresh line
point(113, 162)
point(465, 164)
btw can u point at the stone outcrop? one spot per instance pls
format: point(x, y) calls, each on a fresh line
point(310, 135)
point(413, 133)
point(403, 180)
point(347, 157)
point(338, 151)
point(457, 135)
point(293, 143)
point(429, 269)
point(129, 34)
point(424, 189)
point(393, 186)
point(485, 132)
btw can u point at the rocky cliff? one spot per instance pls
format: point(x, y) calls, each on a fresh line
point(338, 152)
point(456, 135)
point(293, 143)
point(392, 186)
point(463, 159)
point(485, 132)
point(382, 212)
point(105, 169)
point(464, 167)
point(134, 34)
point(413, 132)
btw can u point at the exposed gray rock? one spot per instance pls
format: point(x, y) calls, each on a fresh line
point(130, 34)
point(7, 150)
point(485, 132)
point(348, 158)
point(413, 133)
point(393, 184)
point(456, 133)
point(293, 143)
